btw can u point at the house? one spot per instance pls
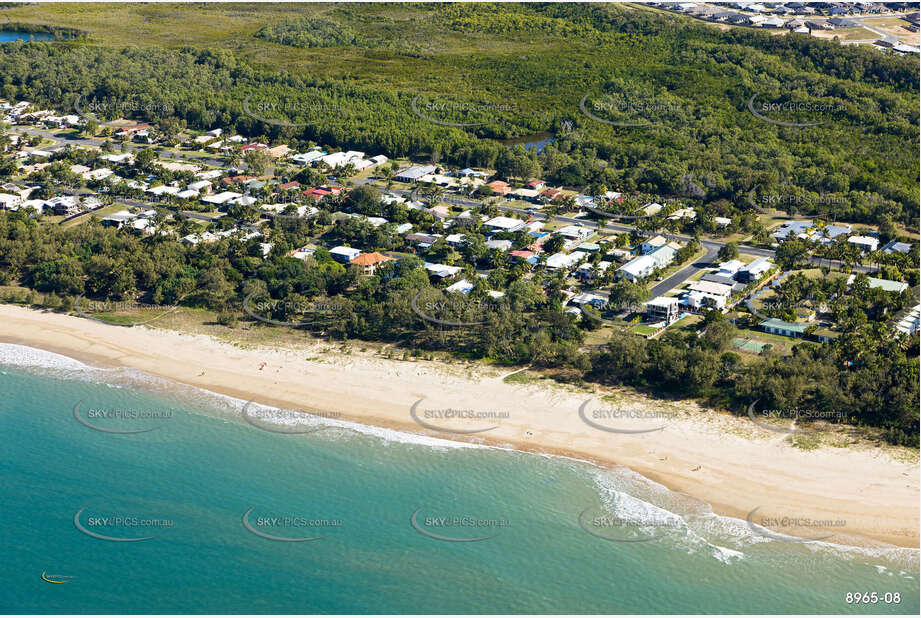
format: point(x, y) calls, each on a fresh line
point(910, 323)
point(724, 280)
point(711, 288)
point(132, 130)
point(66, 205)
point(785, 329)
point(730, 268)
point(442, 271)
point(588, 272)
point(651, 209)
point(833, 231)
point(683, 213)
point(204, 237)
point(773, 22)
point(317, 193)
point(587, 298)
point(738, 19)
point(840, 22)
point(9, 201)
point(440, 212)
point(220, 199)
point(200, 186)
point(499, 187)
point(574, 233)
point(589, 247)
point(895, 246)
point(98, 174)
point(754, 271)
point(422, 240)
point(455, 240)
point(651, 244)
point(794, 228)
point(344, 255)
point(308, 157)
point(638, 268)
point(118, 219)
point(370, 262)
point(279, 151)
point(463, 287)
point(125, 158)
point(525, 256)
point(500, 245)
point(865, 243)
point(528, 195)
point(551, 195)
point(884, 284)
point(564, 260)
point(504, 224)
point(535, 185)
point(819, 24)
point(253, 146)
point(412, 174)
point(663, 308)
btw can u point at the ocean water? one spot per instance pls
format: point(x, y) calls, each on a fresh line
point(188, 482)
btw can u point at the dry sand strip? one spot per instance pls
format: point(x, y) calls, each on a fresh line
point(727, 461)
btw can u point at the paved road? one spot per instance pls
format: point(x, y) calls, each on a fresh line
point(687, 272)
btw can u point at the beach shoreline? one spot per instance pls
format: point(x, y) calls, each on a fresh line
point(729, 462)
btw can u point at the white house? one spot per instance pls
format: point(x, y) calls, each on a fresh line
point(564, 260)
point(220, 199)
point(866, 243)
point(9, 201)
point(651, 244)
point(662, 308)
point(344, 255)
point(463, 286)
point(574, 232)
point(638, 268)
point(504, 224)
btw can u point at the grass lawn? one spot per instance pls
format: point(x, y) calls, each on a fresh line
point(885, 21)
point(644, 330)
point(688, 323)
point(854, 34)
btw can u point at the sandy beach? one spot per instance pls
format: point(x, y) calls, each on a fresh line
point(729, 462)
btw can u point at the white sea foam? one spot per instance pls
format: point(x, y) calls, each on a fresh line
point(271, 415)
point(24, 356)
point(652, 506)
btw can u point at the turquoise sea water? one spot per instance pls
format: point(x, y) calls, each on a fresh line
point(195, 475)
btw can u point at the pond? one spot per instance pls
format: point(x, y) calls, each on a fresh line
point(536, 140)
point(13, 35)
